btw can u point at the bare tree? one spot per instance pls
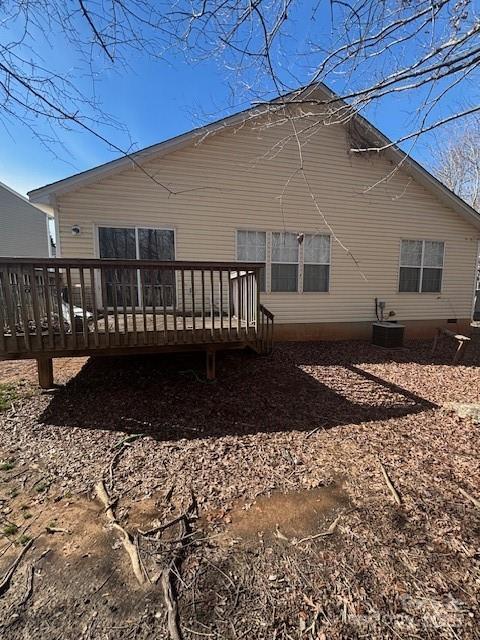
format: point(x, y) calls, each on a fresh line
point(457, 164)
point(368, 51)
point(46, 95)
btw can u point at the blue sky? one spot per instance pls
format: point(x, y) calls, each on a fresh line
point(155, 100)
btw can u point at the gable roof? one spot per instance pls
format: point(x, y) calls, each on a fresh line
point(24, 200)
point(47, 193)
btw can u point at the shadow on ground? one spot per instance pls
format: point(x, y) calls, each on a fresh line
point(167, 396)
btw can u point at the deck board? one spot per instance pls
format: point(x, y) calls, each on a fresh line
point(159, 332)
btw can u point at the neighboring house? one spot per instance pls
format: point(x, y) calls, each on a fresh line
point(23, 227)
point(367, 229)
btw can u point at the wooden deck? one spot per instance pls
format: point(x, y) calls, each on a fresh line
point(58, 307)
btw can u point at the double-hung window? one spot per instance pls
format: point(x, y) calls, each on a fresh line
point(316, 259)
point(421, 266)
point(284, 261)
point(251, 247)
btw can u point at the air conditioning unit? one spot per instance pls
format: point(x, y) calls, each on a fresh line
point(388, 334)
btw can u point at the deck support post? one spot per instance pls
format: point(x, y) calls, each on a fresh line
point(45, 372)
point(211, 365)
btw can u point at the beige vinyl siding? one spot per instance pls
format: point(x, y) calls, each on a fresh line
point(234, 179)
point(23, 227)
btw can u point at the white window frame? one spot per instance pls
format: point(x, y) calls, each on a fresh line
point(421, 267)
point(237, 231)
point(264, 262)
point(113, 225)
point(299, 263)
point(322, 264)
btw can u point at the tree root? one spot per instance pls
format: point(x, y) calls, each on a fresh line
point(126, 540)
point(5, 583)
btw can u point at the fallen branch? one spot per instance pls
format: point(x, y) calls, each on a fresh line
point(5, 583)
point(29, 586)
point(167, 578)
point(170, 602)
point(183, 517)
point(162, 527)
point(310, 433)
point(473, 500)
point(56, 530)
point(322, 534)
point(129, 546)
point(392, 489)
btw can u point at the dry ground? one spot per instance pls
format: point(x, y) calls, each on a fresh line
point(276, 453)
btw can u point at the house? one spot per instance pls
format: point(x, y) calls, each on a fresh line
point(24, 227)
point(201, 241)
point(408, 241)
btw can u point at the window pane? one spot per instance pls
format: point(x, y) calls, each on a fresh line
point(315, 277)
point(284, 247)
point(284, 277)
point(317, 249)
point(432, 280)
point(121, 287)
point(120, 284)
point(158, 285)
point(411, 253)
point(117, 243)
point(433, 254)
point(241, 238)
point(409, 279)
point(156, 244)
point(251, 246)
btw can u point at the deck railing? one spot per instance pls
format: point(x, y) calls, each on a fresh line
point(54, 306)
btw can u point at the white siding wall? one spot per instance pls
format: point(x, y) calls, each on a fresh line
point(23, 227)
point(233, 180)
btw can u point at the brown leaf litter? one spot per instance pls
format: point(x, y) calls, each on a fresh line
point(299, 534)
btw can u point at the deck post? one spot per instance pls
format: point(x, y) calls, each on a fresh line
point(211, 364)
point(45, 372)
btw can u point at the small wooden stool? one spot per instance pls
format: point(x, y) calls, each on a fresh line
point(462, 342)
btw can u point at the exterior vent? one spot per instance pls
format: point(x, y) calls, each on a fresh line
point(388, 334)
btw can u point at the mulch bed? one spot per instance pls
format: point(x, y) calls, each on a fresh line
point(312, 415)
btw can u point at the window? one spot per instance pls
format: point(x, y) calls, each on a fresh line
point(123, 285)
point(158, 286)
point(156, 244)
point(316, 258)
point(421, 266)
point(251, 247)
point(132, 243)
point(284, 262)
point(287, 261)
point(117, 243)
